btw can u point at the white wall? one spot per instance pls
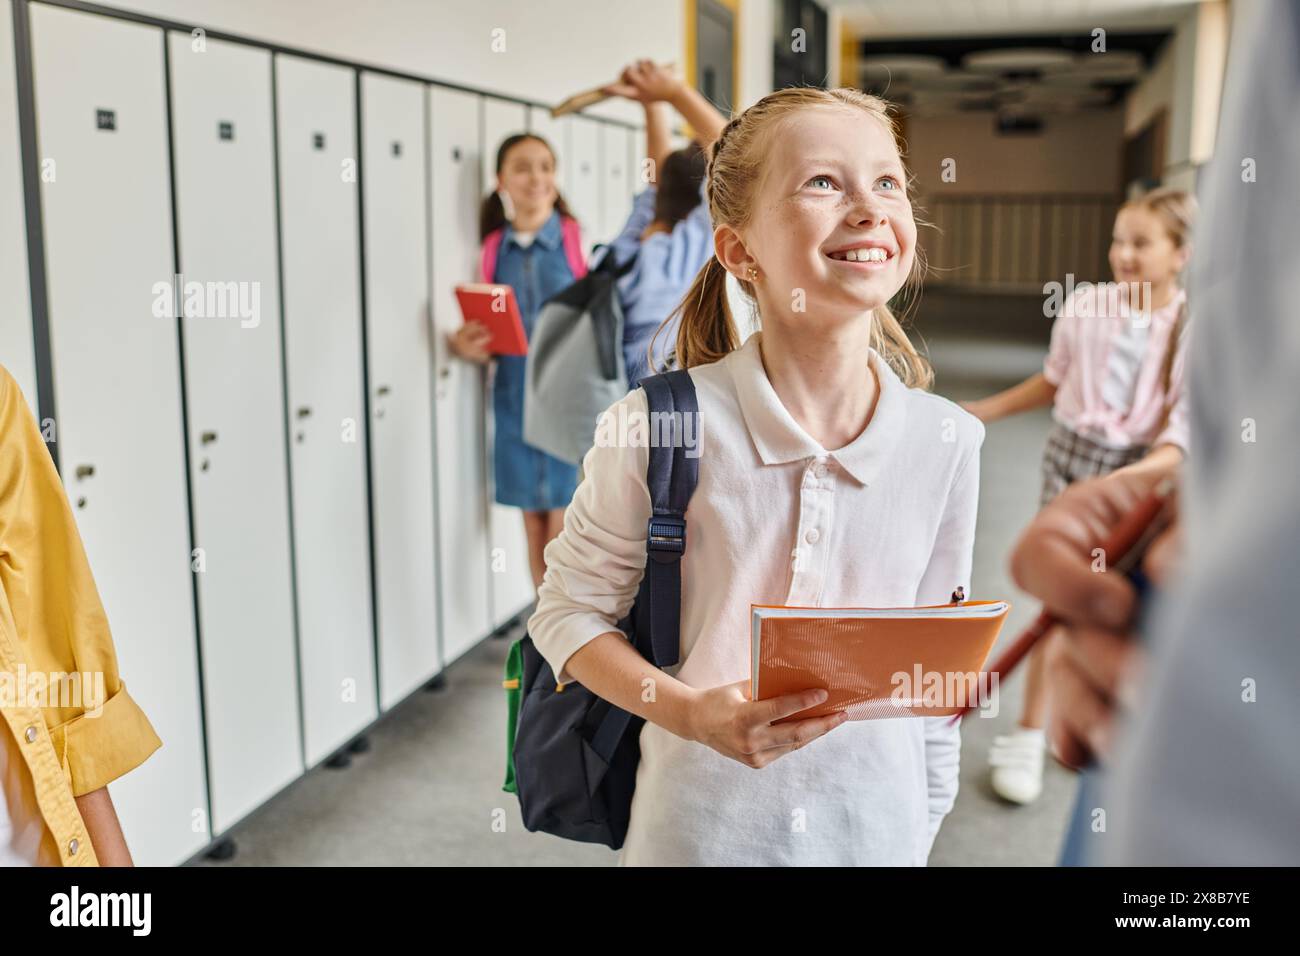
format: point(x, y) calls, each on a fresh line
point(1186, 80)
point(755, 40)
point(551, 49)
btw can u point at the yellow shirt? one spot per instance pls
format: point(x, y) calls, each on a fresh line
point(74, 729)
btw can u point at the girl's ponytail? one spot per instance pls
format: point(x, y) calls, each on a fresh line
point(491, 215)
point(1176, 209)
point(707, 331)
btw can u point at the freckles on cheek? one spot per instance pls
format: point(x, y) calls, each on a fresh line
point(802, 225)
point(787, 235)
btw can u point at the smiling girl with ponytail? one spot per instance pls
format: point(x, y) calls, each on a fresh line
point(828, 477)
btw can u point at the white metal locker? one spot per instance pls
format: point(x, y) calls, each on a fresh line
point(616, 203)
point(512, 579)
point(583, 176)
point(636, 162)
point(102, 128)
point(16, 348)
point(224, 149)
point(316, 113)
point(455, 190)
point(400, 354)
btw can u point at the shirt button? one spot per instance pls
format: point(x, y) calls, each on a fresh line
point(73, 847)
point(812, 536)
point(31, 735)
point(819, 470)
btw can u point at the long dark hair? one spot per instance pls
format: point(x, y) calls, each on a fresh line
point(492, 214)
point(678, 190)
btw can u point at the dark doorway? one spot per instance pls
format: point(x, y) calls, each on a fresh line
point(715, 36)
point(800, 44)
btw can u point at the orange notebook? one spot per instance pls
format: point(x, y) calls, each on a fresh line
point(876, 662)
point(496, 307)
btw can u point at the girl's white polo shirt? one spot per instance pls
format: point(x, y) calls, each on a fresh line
point(886, 521)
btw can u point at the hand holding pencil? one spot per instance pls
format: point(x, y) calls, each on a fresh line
point(1105, 523)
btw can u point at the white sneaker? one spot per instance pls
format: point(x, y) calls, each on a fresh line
point(1017, 763)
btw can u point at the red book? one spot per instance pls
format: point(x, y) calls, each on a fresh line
point(496, 307)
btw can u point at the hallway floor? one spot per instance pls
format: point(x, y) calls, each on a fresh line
point(429, 789)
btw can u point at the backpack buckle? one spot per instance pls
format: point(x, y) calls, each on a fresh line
point(666, 534)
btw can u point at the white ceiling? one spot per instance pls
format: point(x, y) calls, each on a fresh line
point(882, 19)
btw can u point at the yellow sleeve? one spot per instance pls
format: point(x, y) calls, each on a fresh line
point(48, 596)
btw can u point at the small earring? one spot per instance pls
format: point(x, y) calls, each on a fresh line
point(753, 273)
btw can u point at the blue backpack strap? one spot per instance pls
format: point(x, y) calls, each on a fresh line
point(671, 476)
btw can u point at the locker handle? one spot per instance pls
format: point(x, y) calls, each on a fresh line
point(304, 411)
point(384, 390)
point(207, 438)
point(84, 471)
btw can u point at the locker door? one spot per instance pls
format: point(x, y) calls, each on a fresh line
point(400, 354)
point(455, 189)
point(617, 204)
point(224, 150)
point(583, 177)
point(16, 349)
point(636, 162)
point(316, 111)
point(512, 580)
point(102, 120)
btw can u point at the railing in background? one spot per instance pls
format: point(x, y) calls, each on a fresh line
point(1017, 241)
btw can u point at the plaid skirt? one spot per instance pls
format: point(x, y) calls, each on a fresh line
point(1070, 457)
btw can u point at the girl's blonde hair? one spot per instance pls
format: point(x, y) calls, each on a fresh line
point(736, 168)
point(1175, 208)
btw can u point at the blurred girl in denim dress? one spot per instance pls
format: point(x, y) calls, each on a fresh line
point(532, 244)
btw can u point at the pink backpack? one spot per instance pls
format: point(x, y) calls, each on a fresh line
point(572, 249)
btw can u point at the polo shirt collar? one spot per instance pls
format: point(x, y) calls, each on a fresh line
point(779, 439)
point(549, 236)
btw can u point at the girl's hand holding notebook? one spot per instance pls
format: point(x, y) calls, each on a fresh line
point(756, 733)
point(494, 306)
point(876, 663)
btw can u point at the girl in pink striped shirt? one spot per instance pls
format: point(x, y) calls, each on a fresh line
point(1114, 377)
